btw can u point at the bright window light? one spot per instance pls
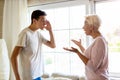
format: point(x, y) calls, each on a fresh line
point(110, 16)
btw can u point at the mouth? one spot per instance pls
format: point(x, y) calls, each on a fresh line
point(84, 30)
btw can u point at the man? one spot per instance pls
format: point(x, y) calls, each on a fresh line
point(29, 47)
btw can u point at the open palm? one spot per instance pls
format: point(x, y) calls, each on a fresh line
point(72, 49)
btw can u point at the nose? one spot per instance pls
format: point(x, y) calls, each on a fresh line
point(44, 22)
point(83, 27)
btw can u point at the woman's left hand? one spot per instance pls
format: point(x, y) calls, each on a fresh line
point(72, 49)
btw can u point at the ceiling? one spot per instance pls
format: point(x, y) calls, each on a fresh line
point(38, 2)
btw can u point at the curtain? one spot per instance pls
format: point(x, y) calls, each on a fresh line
point(14, 20)
point(4, 61)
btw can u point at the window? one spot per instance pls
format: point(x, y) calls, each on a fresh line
point(110, 16)
point(67, 22)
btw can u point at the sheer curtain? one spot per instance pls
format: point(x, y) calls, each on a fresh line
point(14, 19)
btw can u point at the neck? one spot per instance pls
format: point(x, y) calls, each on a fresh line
point(32, 27)
point(96, 34)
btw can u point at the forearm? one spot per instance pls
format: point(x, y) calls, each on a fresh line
point(15, 67)
point(14, 62)
point(52, 41)
point(83, 58)
point(82, 48)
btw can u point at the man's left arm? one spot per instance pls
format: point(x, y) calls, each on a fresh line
point(51, 42)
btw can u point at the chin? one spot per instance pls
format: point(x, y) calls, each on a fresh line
point(87, 33)
point(41, 28)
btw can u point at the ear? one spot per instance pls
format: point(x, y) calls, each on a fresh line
point(91, 27)
point(34, 20)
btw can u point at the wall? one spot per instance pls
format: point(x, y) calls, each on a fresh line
point(1, 16)
point(42, 2)
point(30, 3)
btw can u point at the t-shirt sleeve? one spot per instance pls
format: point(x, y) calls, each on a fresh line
point(44, 40)
point(21, 40)
point(97, 54)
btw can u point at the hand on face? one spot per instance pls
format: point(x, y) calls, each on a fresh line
point(47, 25)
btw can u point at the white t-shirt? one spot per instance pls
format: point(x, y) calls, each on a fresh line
point(30, 55)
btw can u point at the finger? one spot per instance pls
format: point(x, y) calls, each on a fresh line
point(80, 40)
point(67, 49)
point(73, 40)
point(48, 23)
point(73, 48)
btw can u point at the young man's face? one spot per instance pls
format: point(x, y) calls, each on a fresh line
point(41, 22)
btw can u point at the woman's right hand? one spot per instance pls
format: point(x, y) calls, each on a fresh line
point(78, 43)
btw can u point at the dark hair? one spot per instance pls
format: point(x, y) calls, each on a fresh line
point(36, 14)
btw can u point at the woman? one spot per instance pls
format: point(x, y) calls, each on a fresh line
point(95, 57)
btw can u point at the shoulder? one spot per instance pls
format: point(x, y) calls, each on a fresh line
point(100, 40)
point(24, 31)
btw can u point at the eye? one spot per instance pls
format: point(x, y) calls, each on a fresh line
point(43, 20)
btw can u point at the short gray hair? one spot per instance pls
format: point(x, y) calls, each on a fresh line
point(93, 20)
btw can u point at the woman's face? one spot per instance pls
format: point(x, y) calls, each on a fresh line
point(87, 28)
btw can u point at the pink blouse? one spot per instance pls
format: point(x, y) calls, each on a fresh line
point(97, 53)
